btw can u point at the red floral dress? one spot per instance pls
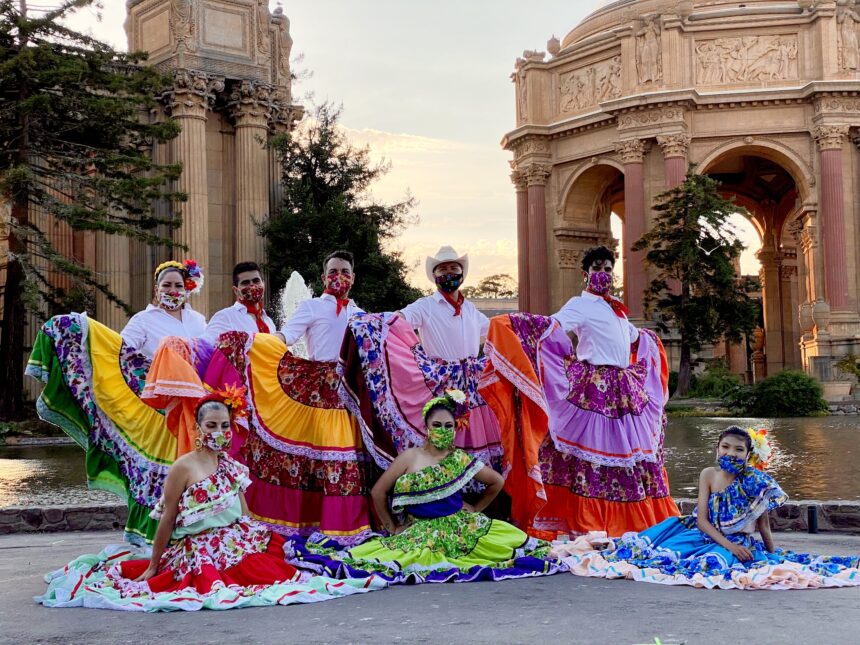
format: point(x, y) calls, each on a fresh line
point(214, 543)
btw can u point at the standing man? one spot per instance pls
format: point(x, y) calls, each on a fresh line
point(247, 313)
point(450, 327)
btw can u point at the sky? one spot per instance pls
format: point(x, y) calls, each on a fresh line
point(426, 85)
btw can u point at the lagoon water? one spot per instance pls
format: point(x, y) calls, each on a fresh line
point(813, 459)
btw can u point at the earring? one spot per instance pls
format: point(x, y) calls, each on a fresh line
point(198, 442)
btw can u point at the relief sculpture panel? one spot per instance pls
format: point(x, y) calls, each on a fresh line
point(588, 86)
point(745, 59)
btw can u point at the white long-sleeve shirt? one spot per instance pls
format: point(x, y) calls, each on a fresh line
point(146, 328)
point(235, 318)
point(444, 335)
point(604, 338)
point(316, 319)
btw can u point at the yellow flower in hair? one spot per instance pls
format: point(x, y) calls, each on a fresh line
point(761, 448)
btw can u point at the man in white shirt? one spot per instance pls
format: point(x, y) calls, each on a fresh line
point(322, 321)
point(597, 319)
point(450, 327)
point(247, 313)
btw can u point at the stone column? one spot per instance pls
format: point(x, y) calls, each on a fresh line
point(536, 178)
point(674, 148)
point(250, 105)
point(830, 139)
point(632, 153)
point(771, 269)
point(520, 181)
point(188, 101)
point(113, 263)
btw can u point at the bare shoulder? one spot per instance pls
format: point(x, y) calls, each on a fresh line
point(708, 474)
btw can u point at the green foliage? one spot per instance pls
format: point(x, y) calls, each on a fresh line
point(500, 285)
point(715, 381)
point(787, 394)
point(76, 137)
point(850, 365)
point(693, 246)
point(328, 206)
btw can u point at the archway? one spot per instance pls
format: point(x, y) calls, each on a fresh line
point(769, 186)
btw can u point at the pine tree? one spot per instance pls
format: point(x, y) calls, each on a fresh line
point(327, 206)
point(75, 139)
point(694, 249)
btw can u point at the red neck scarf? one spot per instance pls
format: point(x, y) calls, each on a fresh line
point(457, 304)
point(342, 303)
point(617, 306)
point(256, 310)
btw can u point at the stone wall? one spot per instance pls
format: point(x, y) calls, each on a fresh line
point(836, 516)
point(55, 519)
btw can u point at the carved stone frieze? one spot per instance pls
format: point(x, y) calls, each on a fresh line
point(570, 258)
point(837, 105)
point(674, 145)
point(183, 24)
point(585, 87)
point(632, 150)
point(264, 45)
point(642, 118)
point(532, 146)
point(848, 42)
point(193, 93)
point(830, 137)
point(746, 58)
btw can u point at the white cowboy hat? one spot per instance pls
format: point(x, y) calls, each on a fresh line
point(445, 254)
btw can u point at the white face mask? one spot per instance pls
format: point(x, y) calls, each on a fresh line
point(172, 300)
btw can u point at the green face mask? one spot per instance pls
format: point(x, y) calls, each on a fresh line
point(441, 438)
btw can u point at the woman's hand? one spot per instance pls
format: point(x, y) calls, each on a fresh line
point(741, 552)
point(151, 570)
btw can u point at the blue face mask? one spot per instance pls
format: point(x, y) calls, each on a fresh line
point(732, 465)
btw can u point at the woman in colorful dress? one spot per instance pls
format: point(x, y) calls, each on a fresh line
point(442, 538)
point(715, 547)
point(94, 378)
point(582, 424)
point(207, 552)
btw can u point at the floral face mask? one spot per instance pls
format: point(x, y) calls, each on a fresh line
point(732, 465)
point(172, 300)
point(441, 438)
point(338, 286)
point(218, 441)
point(599, 283)
point(252, 294)
point(449, 282)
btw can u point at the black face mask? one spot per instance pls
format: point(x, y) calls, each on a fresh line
point(449, 282)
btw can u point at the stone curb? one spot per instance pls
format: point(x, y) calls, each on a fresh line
point(54, 519)
point(833, 517)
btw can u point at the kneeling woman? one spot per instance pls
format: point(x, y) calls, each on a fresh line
point(207, 552)
point(443, 538)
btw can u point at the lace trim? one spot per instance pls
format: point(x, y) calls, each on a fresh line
point(515, 377)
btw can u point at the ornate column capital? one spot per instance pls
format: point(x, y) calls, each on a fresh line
point(830, 137)
point(632, 150)
point(674, 145)
point(537, 174)
point(252, 104)
point(192, 94)
point(519, 179)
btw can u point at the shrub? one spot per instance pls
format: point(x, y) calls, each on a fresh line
point(715, 382)
point(787, 394)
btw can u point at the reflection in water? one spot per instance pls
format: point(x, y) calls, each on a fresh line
point(813, 459)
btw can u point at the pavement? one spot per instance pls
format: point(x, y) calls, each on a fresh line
point(556, 609)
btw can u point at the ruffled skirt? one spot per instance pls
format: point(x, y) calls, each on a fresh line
point(674, 552)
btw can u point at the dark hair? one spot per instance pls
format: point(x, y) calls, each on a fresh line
point(204, 407)
point(440, 405)
point(244, 267)
point(597, 254)
point(340, 254)
point(737, 431)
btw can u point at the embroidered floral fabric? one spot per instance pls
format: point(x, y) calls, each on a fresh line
point(530, 328)
point(232, 345)
point(311, 383)
point(454, 535)
point(606, 389)
point(298, 472)
point(436, 482)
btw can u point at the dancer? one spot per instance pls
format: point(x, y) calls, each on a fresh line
point(207, 553)
point(94, 378)
point(247, 313)
point(715, 546)
point(305, 452)
point(443, 538)
point(170, 313)
point(583, 428)
point(389, 373)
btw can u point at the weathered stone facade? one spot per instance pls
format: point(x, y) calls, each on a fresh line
point(764, 95)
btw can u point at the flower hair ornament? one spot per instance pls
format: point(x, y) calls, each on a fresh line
point(761, 449)
point(233, 397)
point(454, 401)
point(190, 270)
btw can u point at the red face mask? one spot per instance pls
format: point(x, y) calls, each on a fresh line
point(252, 294)
point(338, 286)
